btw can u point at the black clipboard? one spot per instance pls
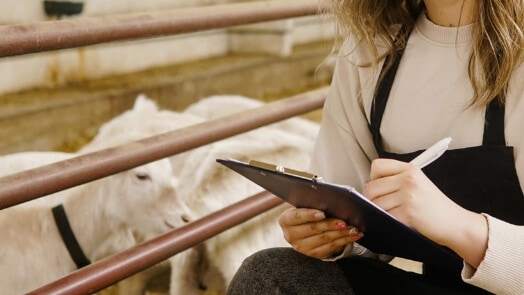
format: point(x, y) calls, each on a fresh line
point(383, 233)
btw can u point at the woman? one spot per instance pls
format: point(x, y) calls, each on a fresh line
point(410, 73)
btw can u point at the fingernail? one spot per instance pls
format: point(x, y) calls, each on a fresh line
point(340, 225)
point(319, 215)
point(353, 231)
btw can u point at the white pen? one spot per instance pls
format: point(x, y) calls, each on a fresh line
point(432, 153)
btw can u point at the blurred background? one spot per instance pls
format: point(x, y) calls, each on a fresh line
point(57, 100)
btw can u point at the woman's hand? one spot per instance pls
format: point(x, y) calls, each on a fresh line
point(405, 192)
point(312, 234)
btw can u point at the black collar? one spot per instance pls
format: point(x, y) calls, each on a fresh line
point(69, 237)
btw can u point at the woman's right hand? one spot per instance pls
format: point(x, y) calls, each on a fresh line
point(312, 234)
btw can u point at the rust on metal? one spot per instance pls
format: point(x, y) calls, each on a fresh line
point(70, 33)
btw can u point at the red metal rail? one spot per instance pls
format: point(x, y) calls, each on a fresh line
point(70, 33)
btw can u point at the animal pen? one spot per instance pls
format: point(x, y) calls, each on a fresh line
point(39, 182)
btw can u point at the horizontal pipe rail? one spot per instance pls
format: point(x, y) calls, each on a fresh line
point(108, 271)
point(60, 34)
point(34, 183)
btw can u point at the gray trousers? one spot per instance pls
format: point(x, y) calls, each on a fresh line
point(285, 271)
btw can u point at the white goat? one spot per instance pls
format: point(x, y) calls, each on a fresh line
point(106, 215)
point(144, 119)
point(221, 105)
point(207, 186)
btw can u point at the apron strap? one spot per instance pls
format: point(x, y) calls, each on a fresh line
point(381, 98)
point(387, 76)
point(494, 124)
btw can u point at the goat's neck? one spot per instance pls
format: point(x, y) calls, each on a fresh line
point(93, 229)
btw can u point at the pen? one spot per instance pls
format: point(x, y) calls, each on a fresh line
point(432, 153)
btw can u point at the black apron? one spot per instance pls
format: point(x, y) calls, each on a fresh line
point(481, 178)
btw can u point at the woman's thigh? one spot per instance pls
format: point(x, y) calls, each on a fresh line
point(285, 271)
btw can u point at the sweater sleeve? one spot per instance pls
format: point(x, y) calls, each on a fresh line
point(344, 147)
point(500, 272)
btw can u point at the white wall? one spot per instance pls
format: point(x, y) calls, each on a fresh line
point(28, 11)
point(59, 67)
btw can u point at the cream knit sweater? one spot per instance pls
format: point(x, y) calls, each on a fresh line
point(428, 102)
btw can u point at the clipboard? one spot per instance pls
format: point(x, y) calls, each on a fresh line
point(383, 233)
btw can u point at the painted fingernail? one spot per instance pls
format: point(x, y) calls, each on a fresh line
point(340, 225)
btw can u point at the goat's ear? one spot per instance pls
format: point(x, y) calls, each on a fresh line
point(144, 103)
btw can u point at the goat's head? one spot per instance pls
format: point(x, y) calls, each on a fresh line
point(146, 200)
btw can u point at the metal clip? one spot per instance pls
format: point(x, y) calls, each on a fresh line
point(284, 170)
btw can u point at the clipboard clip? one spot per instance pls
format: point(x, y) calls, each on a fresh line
point(287, 171)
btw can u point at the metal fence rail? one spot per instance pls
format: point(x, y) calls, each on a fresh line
point(61, 34)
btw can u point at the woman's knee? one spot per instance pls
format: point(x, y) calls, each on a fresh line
point(265, 262)
point(258, 272)
point(277, 271)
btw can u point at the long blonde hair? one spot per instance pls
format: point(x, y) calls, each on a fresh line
point(498, 38)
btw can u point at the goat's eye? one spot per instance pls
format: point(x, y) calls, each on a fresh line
point(143, 176)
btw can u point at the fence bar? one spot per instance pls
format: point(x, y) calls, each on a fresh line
point(60, 34)
point(108, 271)
point(30, 184)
